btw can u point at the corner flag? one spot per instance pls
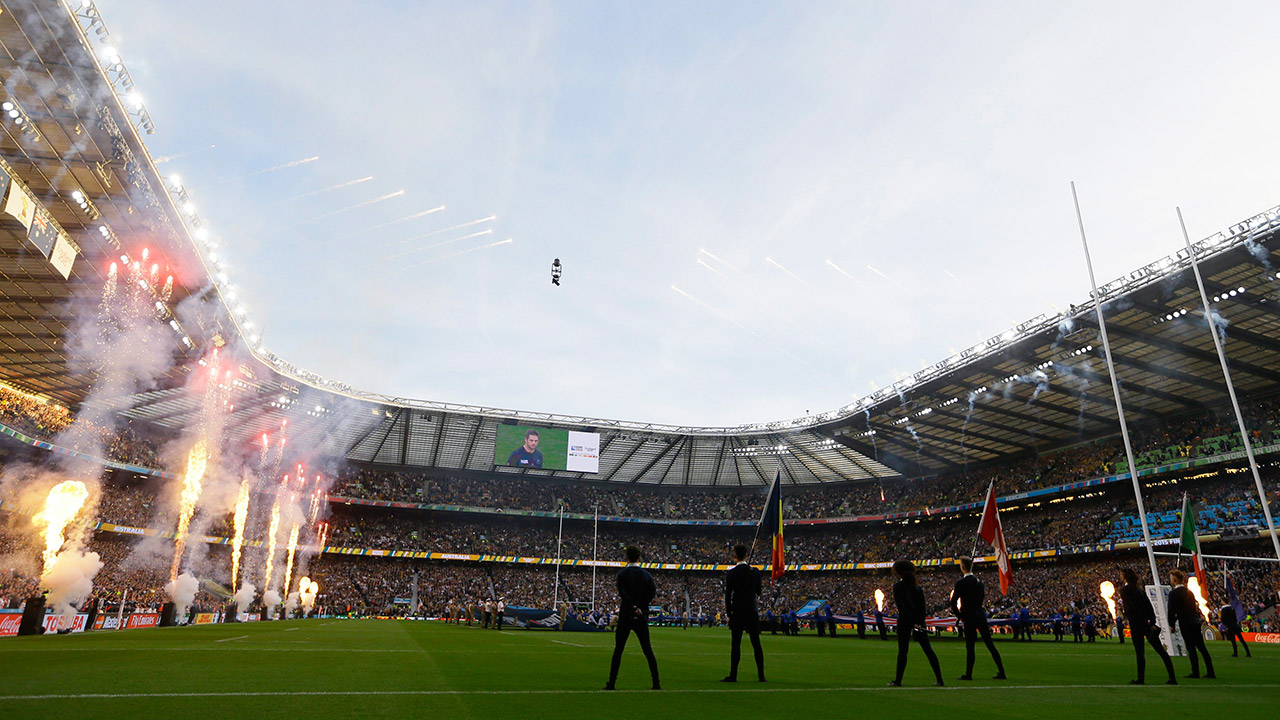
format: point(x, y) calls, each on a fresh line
point(771, 522)
point(991, 532)
point(1189, 541)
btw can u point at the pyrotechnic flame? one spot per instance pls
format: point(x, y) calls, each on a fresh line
point(288, 566)
point(1193, 584)
point(167, 292)
point(271, 544)
point(879, 599)
point(237, 542)
point(1108, 593)
point(64, 501)
point(197, 461)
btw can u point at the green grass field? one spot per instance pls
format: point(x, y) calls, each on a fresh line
point(401, 669)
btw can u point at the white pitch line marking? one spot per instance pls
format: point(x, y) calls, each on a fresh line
point(242, 637)
point(291, 629)
point(562, 642)
point(390, 693)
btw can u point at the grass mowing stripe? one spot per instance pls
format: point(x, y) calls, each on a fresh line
point(683, 691)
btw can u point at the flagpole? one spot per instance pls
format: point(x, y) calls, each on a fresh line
point(752, 553)
point(1231, 388)
point(974, 550)
point(1115, 389)
point(559, 540)
point(595, 557)
point(1186, 505)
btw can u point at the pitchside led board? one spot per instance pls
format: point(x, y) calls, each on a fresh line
point(546, 449)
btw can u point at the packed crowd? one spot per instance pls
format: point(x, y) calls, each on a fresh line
point(1085, 520)
point(51, 421)
point(1186, 438)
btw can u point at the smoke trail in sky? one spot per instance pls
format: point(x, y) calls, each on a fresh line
point(487, 231)
point(973, 396)
point(740, 326)
point(726, 263)
point(919, 444)
point(842, 271)
point(331, 188)
point(441, 231)
point(169, 158)
point(959, 282)
point(285, 166)
point(1259, 253)
point(886, 277)
point(379, 226)
point(508, 241)
point(766, 305)
point(871, 433)
point(349, 208)
point(798, 279)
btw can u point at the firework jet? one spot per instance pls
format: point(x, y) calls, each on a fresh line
point(272, 530)
point(288, 564)
point(64, 501)
point(197, 461)
point(879, 599)
point(237, 542)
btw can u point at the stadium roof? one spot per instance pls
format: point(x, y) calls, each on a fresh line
point(1040, 387)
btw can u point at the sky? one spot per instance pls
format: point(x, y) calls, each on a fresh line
point(763, 210)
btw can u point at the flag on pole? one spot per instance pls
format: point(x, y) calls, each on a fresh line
point(771, 523)
point(993, 534)
point(1189, 541)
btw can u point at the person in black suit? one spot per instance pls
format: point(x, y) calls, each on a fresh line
point(1232, 624)
point(635, 592)
point(884, 635)
point(967, 603)
point(741, 588)
point(1142, 624)
point(909, 598)
point(1184, 615)
point(861, 622)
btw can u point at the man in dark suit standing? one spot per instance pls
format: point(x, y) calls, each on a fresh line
point(635, 592)
point(1184, 613)
point(967, 603)
point(1142, 626)
point(1232, 624)
point(741, 588)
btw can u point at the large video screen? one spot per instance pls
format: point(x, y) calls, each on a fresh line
point(546, 449)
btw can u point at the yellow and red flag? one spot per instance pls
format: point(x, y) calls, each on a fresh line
point(771, 523)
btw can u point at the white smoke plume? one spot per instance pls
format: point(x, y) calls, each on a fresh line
point(182, 592)
point(70, 581)
point(291, 603)
point(271, 600)
point(244, 596)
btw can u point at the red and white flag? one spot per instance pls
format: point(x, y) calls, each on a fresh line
point(991, 532)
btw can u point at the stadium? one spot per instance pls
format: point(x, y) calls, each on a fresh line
point(208, 521)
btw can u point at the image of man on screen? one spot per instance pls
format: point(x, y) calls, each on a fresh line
point(527, 455)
